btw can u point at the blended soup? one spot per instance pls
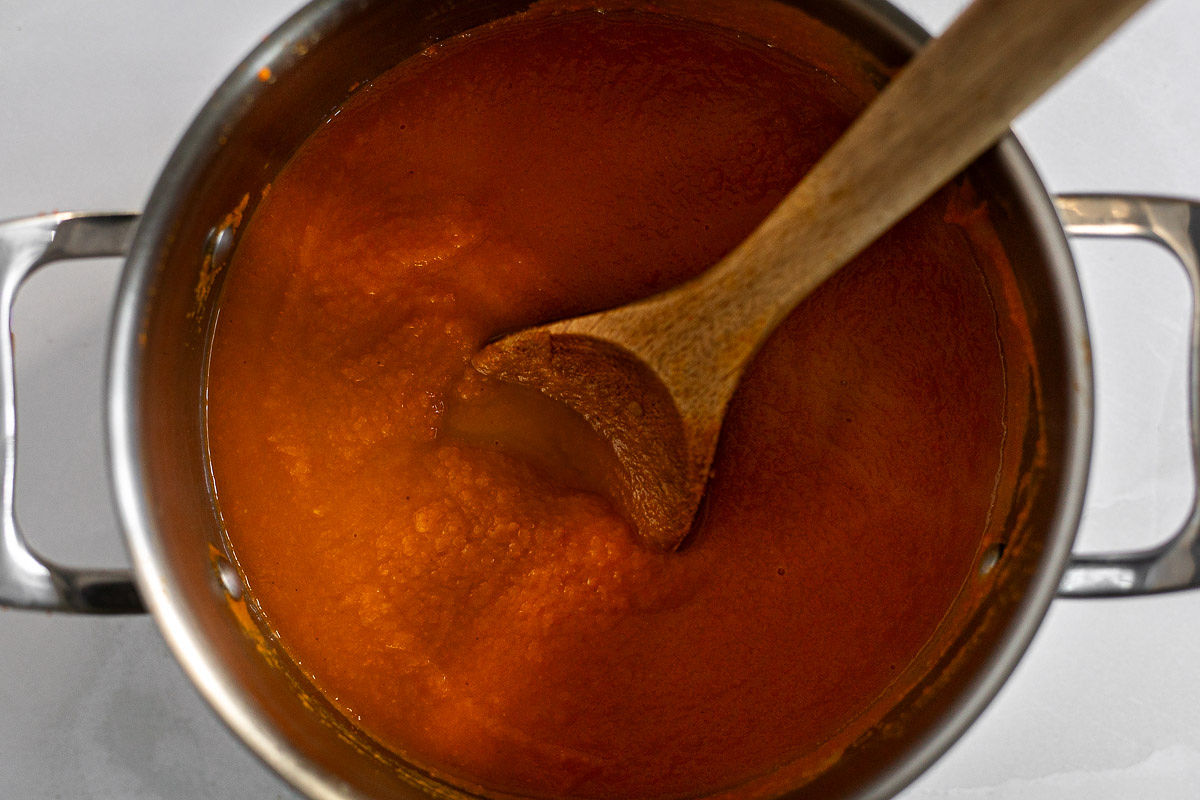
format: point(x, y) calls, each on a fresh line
point(437, 551)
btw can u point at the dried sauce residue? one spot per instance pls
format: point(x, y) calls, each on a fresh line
point(213, 262)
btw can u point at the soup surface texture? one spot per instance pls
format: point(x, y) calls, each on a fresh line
point(435, 550)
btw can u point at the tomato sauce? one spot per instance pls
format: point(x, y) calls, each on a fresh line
point(436, 550)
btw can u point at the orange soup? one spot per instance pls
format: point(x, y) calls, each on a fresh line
point(436, 550)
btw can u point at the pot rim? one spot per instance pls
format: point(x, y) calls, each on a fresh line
point(123, 416)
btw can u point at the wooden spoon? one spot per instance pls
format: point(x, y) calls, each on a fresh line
point(654, 377)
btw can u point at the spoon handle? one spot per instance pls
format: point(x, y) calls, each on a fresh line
point(952, 101)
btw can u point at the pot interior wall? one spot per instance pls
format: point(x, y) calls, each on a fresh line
point(239, 142)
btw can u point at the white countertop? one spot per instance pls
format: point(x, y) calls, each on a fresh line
point(1106, 704)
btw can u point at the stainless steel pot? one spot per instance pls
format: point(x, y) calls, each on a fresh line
point(155, 424)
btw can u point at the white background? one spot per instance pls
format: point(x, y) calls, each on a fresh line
point(92, 98)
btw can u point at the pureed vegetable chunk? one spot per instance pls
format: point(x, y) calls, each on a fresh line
point(436, 551)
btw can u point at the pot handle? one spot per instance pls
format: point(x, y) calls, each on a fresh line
point(1175, 224)
point(27, 580)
